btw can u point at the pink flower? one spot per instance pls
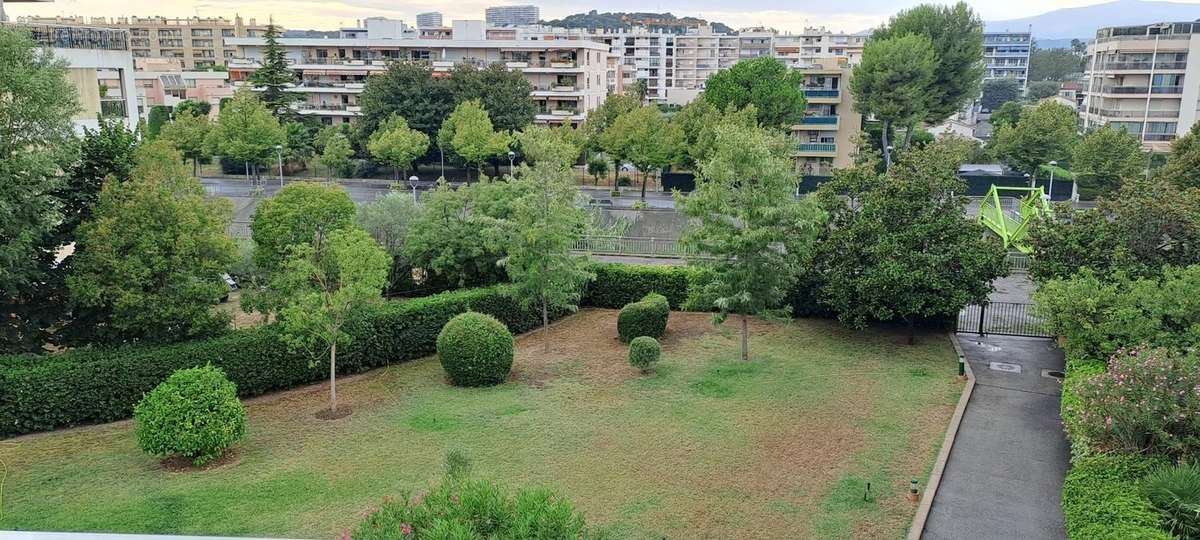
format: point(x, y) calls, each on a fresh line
point(405, 529)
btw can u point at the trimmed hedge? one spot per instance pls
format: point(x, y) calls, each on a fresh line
point(619, 284)
point(94, 385)
point(1102, 499)
point(475, 350)
point(646, 317)
point(644, 351)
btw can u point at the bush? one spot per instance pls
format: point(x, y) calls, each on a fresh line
point(1101, 499)
point(195, 414)
point(646, 317)
point(623, 181)
point(644, 352)
point(619, 284)
point(1148, 400)
point(472, 508)
point(1175, 494)
point(475, 350)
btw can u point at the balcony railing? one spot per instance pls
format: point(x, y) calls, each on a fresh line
point(1160, 137)
point(819, 120)
point(113, 108)
point(76, 37)
point(1142, 89)
point(822, 92)
point(1111, 113)
point(816, 147)
point(1142, 65)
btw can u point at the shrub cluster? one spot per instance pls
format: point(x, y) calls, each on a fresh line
point(619, 284)
point(1102, 499)
point(475, 350)
point(644, 352)
point(94, 385)
point(472, 508)
point(646, 317)
point(1147, 401)
point(1174, 491)
point(195, 414)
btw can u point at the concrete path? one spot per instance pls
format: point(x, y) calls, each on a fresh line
point(1005, 474)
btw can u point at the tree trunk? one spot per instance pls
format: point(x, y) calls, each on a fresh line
point(496, 169)
point(196, 166)
point(745, 339)
point(545, 327)
point(887, 154)
point(911, 330)
point(644, 178)
point(908, 134)
point(333, 378)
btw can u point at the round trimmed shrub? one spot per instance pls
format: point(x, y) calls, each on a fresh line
point(646, 317)
point(194, 414)
point(475, 350)
point(644, 352)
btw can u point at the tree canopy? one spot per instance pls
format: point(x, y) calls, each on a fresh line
point(273, 78)
point(774, 90)
point(503, 93)
point(461, 235)
point(188, 134)
point(892, 80)
point(397, 144)
point(997, 92)
point(1183, 165)
point(1054, 64)
point(1104, 158)
point(298, 214)
point(646, 139)
point(1008, 114)
point(245, 131)
point(1041, 89)
point(469, 132)
point(408, 89)
point(1045, 133)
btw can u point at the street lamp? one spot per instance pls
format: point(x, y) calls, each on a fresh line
point(511, 155)
point(1030, 178)
point(888, 158)
point(1053, 165)
point(412, 181)
point(279, 156)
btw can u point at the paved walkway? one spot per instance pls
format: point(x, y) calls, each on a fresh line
point(1004, 477)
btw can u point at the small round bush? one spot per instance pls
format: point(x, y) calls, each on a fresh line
point(646, 317)
point(644, 352)
point(475, 350)
point(194, 414)
point(1175, 493)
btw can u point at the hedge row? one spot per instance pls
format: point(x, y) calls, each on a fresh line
point(618, 284)
point(88, 386)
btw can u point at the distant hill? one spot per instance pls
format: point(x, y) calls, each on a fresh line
point(664, 22)
point(311, 34)
point(1082, 22)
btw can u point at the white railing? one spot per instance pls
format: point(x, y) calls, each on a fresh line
point(1018, 263)
point(632, 245)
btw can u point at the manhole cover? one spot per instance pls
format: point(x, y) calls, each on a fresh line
point(1053, 374)
point(1005, 367)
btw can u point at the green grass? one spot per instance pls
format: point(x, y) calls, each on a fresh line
point(707, 446)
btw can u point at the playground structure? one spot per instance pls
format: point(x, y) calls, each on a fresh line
point(1011, 222)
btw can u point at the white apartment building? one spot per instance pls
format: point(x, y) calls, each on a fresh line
point(90, 51)
point(569, 76)
point(817, 43)
point(698, 56)
point(642, 56)
point(1144, 79)
point(1006, 56)
point(430, 19)
point(512, 15)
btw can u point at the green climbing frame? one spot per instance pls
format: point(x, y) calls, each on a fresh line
point(1012, 225)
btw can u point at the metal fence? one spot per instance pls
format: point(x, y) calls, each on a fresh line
point(1018, 263)
point(631, 245)
point(1001, 318)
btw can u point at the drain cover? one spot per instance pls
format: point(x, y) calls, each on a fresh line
point(1005, 367)
point(1053, 374)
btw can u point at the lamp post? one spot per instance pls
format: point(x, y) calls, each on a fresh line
point(511, 155)
point(889, 151)
point(1030, 178)
point(412, 181)
point(442, 157)
point(279, 156)
point(1050, 193)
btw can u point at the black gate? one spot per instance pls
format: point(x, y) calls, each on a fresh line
point(1001, 318)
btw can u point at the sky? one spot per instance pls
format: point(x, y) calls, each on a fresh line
point(783, 15)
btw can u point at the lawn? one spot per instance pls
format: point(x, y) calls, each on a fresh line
point(706, 447)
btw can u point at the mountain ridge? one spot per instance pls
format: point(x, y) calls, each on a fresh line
point(1082, 22)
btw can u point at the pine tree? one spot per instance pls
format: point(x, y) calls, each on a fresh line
point(274, 77)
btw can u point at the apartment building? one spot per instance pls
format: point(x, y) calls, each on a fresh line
point(816, 43)
point(429, 20)
point(642, 56)
point(698, 56)
point(159, 81)
point(569, 76)
point(512, 15)
point(1006, 56)
point(197, 41)
point(1144, 79)
point(825, 136)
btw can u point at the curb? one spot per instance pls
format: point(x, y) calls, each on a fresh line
point(939, 467)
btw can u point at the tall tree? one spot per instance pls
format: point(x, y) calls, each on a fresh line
point(891, 82)
point(297, 214)
point(602, 117)
point(1104, 158)
point(748, 225)
point(1055, 64)
point(461, 235)
point(200, 108)
point(324, 283)
point(274, 76)
point(1183, 165)
point(1041, 89)
point(246, 132)
point(469, 132)
point(1008, 114)
point(1045, 133)
point(897, 246)
point(188, 134)
point(503, 92)
point(36, 146)
point(546, 223)
point(388, 220)
point(773, 89)
point(154, 252)
point(956, 33)
point(646, 139)
point(397, 144)
point(997, 92)
point(408, 89)
point(696, 122)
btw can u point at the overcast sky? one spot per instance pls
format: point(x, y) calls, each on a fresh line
point(783, 15)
